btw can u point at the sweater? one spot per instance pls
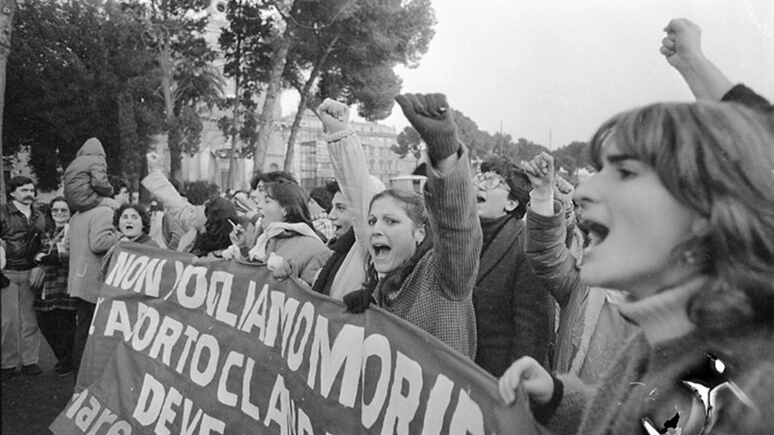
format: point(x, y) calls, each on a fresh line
point(646, 386)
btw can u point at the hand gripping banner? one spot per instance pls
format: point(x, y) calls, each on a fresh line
point(181, 348)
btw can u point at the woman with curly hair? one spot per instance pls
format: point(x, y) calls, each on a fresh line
point(133, 222)
point(680, 216)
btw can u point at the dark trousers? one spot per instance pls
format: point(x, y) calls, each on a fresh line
point(84, 315)
point(58, 327)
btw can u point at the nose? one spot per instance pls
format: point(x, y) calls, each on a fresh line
point(377, 228)
point(587, 191)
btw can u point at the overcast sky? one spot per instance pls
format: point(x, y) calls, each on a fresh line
point(559, 68)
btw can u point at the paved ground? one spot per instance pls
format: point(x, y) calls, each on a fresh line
point(31, 403)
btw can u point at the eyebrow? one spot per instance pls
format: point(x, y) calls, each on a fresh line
point(617, 158)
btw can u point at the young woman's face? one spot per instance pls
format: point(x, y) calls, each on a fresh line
point(339, 215)
point(271, 210)
point(634, 226)
point(394, 236)
point(60, 212)
point(130, 223)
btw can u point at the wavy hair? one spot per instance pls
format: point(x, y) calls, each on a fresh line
point(717, 159)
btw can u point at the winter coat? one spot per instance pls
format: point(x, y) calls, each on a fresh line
point(22, 236)
point(85, 179)
point(306, 254)
point(514, 311)
point(437, 294)
point(90, 236)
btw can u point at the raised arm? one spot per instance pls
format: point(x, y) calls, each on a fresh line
point(449, 194)
point(186, 214)
point(349, 166)
point(545, 246)
point(682, 48)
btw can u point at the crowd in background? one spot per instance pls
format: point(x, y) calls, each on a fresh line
point(608, 302)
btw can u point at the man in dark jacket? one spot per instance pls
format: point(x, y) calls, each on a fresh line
point(21, 227)
point(514, 311)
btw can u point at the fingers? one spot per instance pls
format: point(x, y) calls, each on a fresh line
point(428, 105)
point(335, 109)
point(407, 104)
point(509, 382)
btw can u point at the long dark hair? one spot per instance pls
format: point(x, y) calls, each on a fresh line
point(292, 198)
point(218, 211)
point(717, 159)
point(414, 206)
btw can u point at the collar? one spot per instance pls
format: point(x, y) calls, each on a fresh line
point(663, 316)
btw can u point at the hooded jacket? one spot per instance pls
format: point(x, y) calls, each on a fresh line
point(85, 179)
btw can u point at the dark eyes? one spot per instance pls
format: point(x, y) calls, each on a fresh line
point(388, 220)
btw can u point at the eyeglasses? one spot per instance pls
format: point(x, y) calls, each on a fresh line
point(60, 210)
point(489, 180)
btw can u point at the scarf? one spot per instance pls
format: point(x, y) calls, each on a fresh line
point(340, 247)
point(258, 252)
point(490, 227)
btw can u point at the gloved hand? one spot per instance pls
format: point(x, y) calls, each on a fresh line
point(431, 117)
point(358, 301)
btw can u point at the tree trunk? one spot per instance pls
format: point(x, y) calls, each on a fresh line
point(266, 120)
point(173, 133)
point(234, 135)
point(290, 151)
point(288, 165)
point(7, 8)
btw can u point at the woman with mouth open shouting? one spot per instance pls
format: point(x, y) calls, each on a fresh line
point(681, 217)
point(423, 261)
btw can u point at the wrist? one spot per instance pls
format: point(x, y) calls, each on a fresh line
point(339, 135)
point(545, 407)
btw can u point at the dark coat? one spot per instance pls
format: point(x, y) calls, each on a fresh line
point(514, 311)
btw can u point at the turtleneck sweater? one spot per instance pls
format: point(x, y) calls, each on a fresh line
point(657, 353)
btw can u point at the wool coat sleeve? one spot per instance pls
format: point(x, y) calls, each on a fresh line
point(102, 234)
point(533, 314)
point(743, 95)
point(185, 213)
point(457, 235)
point(548, 256)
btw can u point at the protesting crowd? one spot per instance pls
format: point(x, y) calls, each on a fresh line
point(640, 301)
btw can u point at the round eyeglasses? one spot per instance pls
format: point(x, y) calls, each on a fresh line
point(489, 180)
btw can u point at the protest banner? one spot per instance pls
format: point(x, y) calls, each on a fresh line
point(181, 348)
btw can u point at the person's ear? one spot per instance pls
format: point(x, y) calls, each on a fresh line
point(419, 234)
point(511, 205)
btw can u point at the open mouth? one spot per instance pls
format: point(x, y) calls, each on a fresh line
point(381, 251)
point(596, 231)
point(480, 198)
